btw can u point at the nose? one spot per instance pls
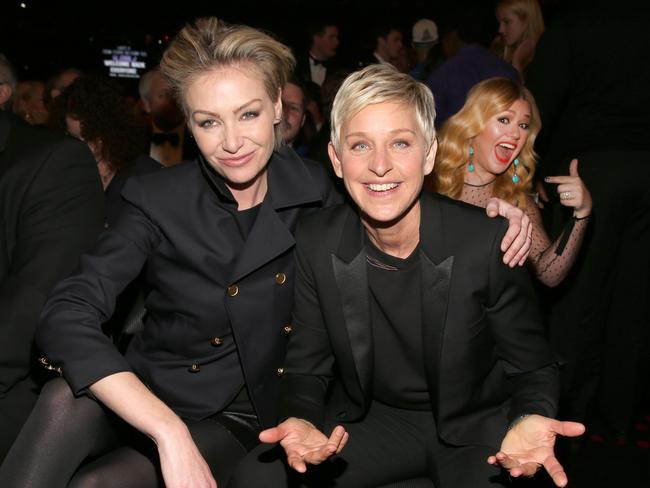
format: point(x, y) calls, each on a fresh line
point(380, 163)
point(502, 29)
point(232, 140)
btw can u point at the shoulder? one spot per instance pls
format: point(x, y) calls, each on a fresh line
point(325, 225)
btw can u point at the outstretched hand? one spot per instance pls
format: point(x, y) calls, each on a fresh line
point(529, 445)
point(516, 244)
point(572, 191)
point(303, 443)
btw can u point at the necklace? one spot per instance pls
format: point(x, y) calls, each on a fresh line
point(481, 185)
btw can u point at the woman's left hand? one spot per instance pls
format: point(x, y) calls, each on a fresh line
point(572, 191)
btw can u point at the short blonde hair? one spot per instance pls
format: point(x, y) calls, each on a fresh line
point(379, 83)
point(209, 43)
point(530, 13)
point(484, 101)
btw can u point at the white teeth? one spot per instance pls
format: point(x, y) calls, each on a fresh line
point(507, 146)
point(382, 187)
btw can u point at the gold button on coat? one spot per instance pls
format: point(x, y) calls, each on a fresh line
point(287, 329)
point(280, 278)
point(279, 371)
point(195, 368)
point(216, 341)
point(233, 290)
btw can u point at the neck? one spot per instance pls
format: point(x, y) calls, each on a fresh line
point(317, 55)
point(397, 239)
point(251, 194)
point(478, 177)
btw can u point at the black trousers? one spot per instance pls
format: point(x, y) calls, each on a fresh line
point(389, 445)
point(600, 319)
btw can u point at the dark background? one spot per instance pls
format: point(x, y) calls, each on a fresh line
point(45, 36)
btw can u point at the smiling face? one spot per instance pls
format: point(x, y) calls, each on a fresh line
point(500, 142)
point(232, 119)
point(511, 26)
point(383, 157)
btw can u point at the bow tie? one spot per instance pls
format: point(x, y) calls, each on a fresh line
point(318, 61)
point(159, 138)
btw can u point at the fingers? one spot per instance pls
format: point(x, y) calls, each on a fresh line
point(294, 459)
point(492, 208)
point(556, 471)
point(517, 242)
point(271, 436)
point(336, 438)
point(521, 256)
point(569, 429)
point(573, 167)
point(513, 466)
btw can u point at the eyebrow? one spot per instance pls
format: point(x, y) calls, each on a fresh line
point(238, 109)
point(395, 131)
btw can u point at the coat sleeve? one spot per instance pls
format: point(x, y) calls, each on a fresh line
point(60, 216)
point(521, 339)
point(309, 365)
point(70, 330)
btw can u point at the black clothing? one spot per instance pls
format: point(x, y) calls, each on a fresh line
point(395, 305)
point(216, 295)
point(51, 211)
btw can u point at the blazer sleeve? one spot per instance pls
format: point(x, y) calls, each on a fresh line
point(521, 339)
point(309, 365)
point(70, 330)
point(60, 217)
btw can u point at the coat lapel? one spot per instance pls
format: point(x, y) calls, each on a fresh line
point(437, 268)
point(290, 188)
point(350, 272)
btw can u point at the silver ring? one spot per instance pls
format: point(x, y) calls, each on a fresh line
point(565, 195)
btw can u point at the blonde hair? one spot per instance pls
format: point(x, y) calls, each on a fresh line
point(210, 43)
point(484, 101)
point(530, 13)
point(379, 83)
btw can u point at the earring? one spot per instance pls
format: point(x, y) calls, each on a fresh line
point(470, 165)
point(515, 177)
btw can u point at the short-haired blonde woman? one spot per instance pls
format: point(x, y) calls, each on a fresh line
point(486, 150)
point(215, 236)
point(520, 25)
point(416, 352)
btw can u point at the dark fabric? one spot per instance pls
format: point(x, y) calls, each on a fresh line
point(180, 222)
point(486, 354)
point(453, 79)
point(51, 210)
point(595, 106)
point(64, 432)
point(387, 447)
point(395, 310)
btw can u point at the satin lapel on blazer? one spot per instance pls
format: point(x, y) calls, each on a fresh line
point(351, 277)
point(436, 283)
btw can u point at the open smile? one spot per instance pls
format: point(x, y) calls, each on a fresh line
point(504, 150)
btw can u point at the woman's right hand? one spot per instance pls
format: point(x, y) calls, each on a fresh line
point(181, 462)
point(572, 191)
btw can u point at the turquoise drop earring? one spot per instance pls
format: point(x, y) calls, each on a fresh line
point(470, 165)
point(515, 177)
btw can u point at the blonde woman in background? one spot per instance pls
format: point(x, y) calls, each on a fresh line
point(520, 26)
point(486, 150)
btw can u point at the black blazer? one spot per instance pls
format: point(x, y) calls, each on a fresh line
point(211, 288)
point(486, 356)
point(51, 210)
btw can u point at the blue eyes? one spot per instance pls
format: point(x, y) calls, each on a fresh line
point(207, 123)
point(250, 115)
point(362, 146)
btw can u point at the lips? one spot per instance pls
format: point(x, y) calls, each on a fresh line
point(503, 151)
point(237, 161)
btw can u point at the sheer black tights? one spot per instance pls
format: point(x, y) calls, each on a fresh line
point(76, 442)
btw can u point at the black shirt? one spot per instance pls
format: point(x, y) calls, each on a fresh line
point(396, 312)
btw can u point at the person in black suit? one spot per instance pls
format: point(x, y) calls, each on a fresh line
point(316, 64)
point(216, 236)
point(409, 334)
point(594, 102)
point(52, 211)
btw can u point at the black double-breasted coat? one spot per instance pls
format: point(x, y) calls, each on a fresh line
point(219, 309)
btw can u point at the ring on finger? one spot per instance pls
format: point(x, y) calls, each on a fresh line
point(565, 195)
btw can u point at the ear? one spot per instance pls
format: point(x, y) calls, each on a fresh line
point(430, 159)
point(146, 105)
point(277, 108)
point(5, 93)
point(336, 163)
